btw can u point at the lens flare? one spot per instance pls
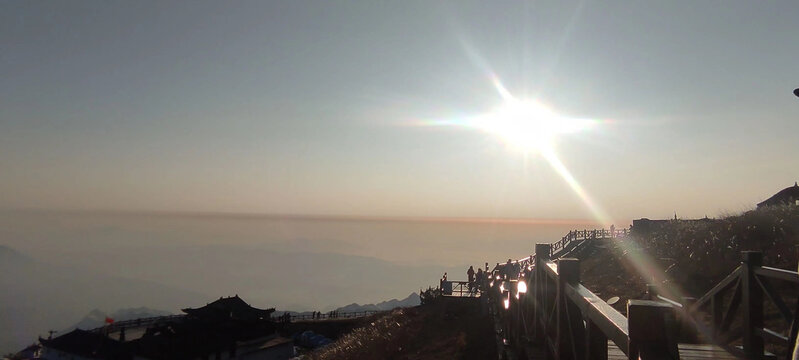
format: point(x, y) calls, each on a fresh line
point(533, 128)
point(527, 125)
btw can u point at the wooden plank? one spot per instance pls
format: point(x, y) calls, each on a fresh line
point(728, 282)
point(687, 352)
point(786, 275)
point(604, 316)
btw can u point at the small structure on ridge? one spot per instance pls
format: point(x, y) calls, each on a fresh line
point(787, 196)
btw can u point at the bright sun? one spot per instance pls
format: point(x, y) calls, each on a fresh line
point(528, 125)
point(533, 128)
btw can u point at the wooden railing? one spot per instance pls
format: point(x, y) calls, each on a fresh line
point(739, 300)
point(138, 323)
point(330, 315)
point(577, 235)
point(459, 289)
point(151, 321)
point(567, 244)
point(548, 305)
point(541, 300)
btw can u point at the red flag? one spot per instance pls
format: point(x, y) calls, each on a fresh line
point(109, 320)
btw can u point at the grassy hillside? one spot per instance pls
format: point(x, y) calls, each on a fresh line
point(703, 253)
point(443, 329)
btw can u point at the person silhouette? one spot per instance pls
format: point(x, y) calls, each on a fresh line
point(470, 275)
point(478, 278)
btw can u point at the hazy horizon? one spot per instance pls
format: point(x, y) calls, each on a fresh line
point(365, 109)
point(308, 154)
point(69, 263)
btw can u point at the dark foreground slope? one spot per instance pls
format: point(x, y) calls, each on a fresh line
point(688, 257)
point(444, 329)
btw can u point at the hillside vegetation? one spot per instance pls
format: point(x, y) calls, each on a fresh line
point(441, 329)
point(704, 252)
point(688, 257)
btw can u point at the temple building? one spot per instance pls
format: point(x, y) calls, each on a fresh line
point(229, 308)
point(227, 328)
point(81, 344)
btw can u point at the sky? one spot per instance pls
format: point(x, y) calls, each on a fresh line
point(353, 108)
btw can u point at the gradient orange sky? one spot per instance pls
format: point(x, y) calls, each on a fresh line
point(315, 108)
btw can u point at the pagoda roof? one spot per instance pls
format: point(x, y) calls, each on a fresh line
point(229, 308)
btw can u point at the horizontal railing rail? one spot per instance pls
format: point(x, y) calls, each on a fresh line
point(539, 299)
point(137, 323)
point(460, 288)
point(548, 304)
point(561, 248)
point(330, 315)
point(739, 299)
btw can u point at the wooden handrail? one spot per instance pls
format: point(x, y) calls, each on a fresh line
point(612, 323)
point(558, 247)
point(140, 322)
point(722, 286)
point(555, 300)
point(549, 297)
point(329, 315)
point(572, 321)
point(750, 280)
point(779, 274)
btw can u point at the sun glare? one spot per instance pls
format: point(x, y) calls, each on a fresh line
point(528, 125)
point(533, 128)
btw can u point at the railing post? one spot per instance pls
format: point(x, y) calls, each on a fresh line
point(596, 342)
point(570, 331)
point(752, 303)
point(538, 285)
point(688, 331)
point(716, 313)
point(651, 292)
point(542, 252)
point(652, 330)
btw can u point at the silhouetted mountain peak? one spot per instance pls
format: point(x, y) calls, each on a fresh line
point(11, 256)
point(412, 300)
point(96, 317)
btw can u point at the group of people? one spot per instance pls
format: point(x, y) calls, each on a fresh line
point(510, 270)
point(477, 279)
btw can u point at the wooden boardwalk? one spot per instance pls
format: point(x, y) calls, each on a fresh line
point(687, 351)
point(539, 304)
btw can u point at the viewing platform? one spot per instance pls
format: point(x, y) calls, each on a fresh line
point(542, 311)
point(459, 289)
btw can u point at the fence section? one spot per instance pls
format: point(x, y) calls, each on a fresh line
point(319, 316)
point(548, 306)
point(539, 301)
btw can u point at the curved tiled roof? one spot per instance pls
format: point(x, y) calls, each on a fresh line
point(229, 307)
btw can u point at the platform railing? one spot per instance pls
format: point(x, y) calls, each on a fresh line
point(459, 288)
point(330, 315)
point(548, 305)
point(566, 245)
point(138, 323)
point(733, 311)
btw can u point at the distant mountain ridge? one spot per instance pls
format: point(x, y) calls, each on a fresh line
point(96, 318)
point(9, 255)
point(38, 296)
point(412, 300)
